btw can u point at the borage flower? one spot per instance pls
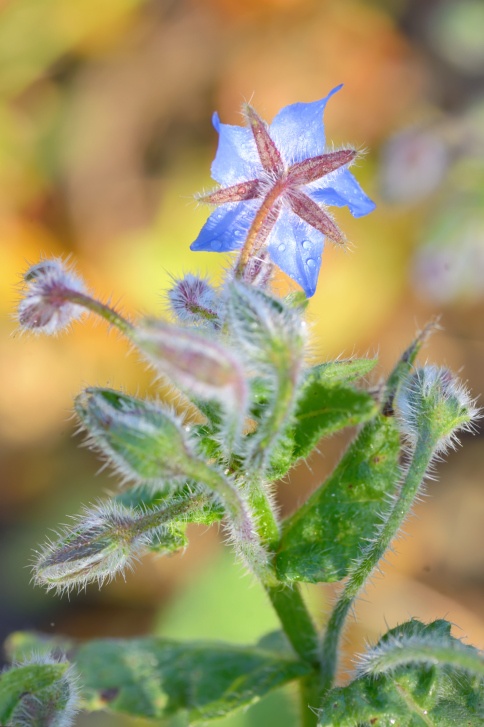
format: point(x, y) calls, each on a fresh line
point(276, 182)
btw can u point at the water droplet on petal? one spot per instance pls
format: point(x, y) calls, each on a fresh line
point(310, 262)
point(306, 244)
point(237, 233)
point(215, 245)
point(281, 247)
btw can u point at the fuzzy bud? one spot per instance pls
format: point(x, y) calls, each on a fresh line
point(38, 692)
point(103, 542)
point(46, 305)
point(203, 368)
point(194, 301)
point(433, 400)
point(146, 443)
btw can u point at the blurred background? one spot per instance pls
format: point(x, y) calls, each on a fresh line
point(105, 136)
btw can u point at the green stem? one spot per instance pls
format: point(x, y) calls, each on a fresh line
point(286, 600)
point(310, 699)
point(296, 621)
point(369, 560)
point(102, 310)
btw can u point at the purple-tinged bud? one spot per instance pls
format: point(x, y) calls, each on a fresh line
point(46, 305)
point(203, 368)
point(433, 402)
point(194, 301)
point(145, 441)
point(103, 541)
point(39, 692)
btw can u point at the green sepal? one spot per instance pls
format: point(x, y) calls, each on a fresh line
point(320, 541)
point(155, 678)
point(44, 683)
point(414, 695)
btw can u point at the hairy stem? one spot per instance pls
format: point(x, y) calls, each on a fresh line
point(368, 561)
point(102, 310)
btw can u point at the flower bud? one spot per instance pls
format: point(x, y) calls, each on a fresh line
point(146, 442)
point(433, 401)
point(103, 542)
point(194, 301)
point(46, 305)
point(203, 368)
point(39, 692)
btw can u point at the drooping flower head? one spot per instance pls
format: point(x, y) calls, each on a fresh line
point(276, 182)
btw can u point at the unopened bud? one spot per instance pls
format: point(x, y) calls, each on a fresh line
point(194, 301)
point(46, 305)
point(433, 400)
point(203, 368)
point(146, 443)
point(38, 692)
point(103, 542)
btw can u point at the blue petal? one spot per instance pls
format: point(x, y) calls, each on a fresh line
point(342, 189)
point(236, 159)
point(298, 130)
point(297, 248)
point(226, 228)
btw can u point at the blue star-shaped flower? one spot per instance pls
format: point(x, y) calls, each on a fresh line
point(275, 184)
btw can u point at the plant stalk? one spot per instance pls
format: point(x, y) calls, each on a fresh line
point(368, 561)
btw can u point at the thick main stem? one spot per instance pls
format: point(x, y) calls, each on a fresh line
point(369, 560)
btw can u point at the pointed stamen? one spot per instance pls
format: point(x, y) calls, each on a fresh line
point(311, 213)
point(314, 168)
point(236, 193)
point(269, 154)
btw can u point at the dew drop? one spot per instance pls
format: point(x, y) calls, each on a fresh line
point(310, 262)
point(281, 247)
point(215, 245)
point(306, 245)
point(237, 233)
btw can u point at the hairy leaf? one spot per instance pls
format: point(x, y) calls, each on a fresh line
point(326, 406)
point(39, 686)
point(322, 538)
point(424, 692)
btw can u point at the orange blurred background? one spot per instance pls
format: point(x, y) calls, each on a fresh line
point(105, 136)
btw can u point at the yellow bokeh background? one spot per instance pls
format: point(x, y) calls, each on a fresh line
point(105, 137)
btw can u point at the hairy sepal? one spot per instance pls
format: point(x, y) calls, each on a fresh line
point(433, 403)
point(146, 441)
point(271, 337)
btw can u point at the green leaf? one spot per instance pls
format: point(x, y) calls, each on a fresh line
point(326, 406)
point(326, 409)
point(429, 692)
point(322, 538)
point(154, 678)
point(43, 683)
